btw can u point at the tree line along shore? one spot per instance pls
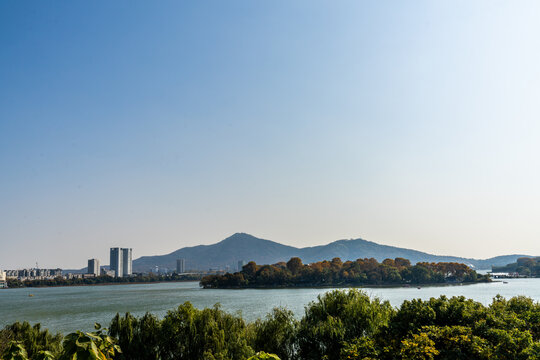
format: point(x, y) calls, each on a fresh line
point(362, 272)
point(102, 280)
point(338, 325)
point(294, 273)
point(525, 266)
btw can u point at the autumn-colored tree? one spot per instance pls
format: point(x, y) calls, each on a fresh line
point(294, 265)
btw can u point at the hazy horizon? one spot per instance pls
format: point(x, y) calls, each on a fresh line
point(157, 126)
point(105, 262)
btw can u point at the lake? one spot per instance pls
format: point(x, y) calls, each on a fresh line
point(67, 309)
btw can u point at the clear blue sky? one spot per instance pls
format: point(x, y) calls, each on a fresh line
point(158, 125)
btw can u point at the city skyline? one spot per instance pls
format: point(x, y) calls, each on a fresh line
point(161, 126)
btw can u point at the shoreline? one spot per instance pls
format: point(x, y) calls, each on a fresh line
point(374, 286)
point(100, 284)
point(338, 286)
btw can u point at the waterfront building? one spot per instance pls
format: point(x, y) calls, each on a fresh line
point(116, 262)
point(121, 261)
point(70, 276)
point(105, 272)
point(180, 266)
point(33, 274)
point(56, 272)
point(127, 263)
point(93, 267)
point(3, 279)
point(241, 264)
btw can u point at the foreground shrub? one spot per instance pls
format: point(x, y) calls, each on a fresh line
point(277, 334)
point(139, 338)
point(32, 339)
point(89, 346)
point(338, 325)
point(337, 317)
point(363, 348)
point(191, 334)
point(264, 356)
point(418, 347)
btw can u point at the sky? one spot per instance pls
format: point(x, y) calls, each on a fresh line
point(160, 125)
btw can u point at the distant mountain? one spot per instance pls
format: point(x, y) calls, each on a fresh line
point(241, 246)
point(225, 253)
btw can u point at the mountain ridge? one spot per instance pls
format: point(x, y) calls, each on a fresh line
point(246, 247)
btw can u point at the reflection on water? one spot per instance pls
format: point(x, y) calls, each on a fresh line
point(67, 309)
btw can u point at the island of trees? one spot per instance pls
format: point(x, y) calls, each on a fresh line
point(339, 325)
point(294, 273)
point(525, 266)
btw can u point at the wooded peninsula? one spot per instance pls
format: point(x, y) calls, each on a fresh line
point(294, 273)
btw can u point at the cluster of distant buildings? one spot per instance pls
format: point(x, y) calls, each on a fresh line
point(28, 274)
point(505, 275)
point(121, 262)
point(33, 273)
point(181, 268)
point(120, 265)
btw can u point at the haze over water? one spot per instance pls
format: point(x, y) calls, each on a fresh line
point(68, 309)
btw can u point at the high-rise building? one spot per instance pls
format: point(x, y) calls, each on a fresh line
point(93, 267)
point(3, 279)
point(127, 263)
point(180, 266)
point(121, 261)
point(241, 264)
point(116, 262)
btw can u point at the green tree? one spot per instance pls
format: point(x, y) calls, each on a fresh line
point(137, 337)
point(32, 338)
point(512, 344)
point(264, 356)
point(277, 334)
point(457, 342)
point(418, 347)
point(363, 348)
point(337, 317)
point(15, 351)
point(192, 334)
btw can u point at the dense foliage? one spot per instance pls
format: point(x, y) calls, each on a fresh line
point(524, 266)
point(339, 325)
point(32, 338)
point(338, 273)
point(100, 280)
point(24, 342)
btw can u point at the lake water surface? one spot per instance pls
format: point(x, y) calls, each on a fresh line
point(67, 309)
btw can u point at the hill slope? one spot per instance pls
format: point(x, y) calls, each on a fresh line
point(225, 253)
point(241, 246)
